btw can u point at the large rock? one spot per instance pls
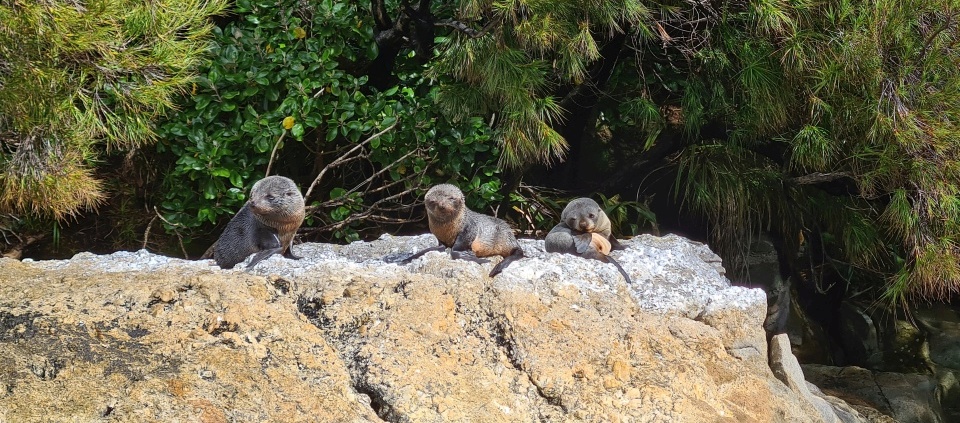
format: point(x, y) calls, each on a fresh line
point(786, 368)
point(342, 336)
point(908, 398)
point(941, 322)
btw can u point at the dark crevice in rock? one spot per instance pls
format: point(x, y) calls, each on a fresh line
point(886, 400)
point(224, 326)
point(46, 369)
point(401, 288)
point(281, 285)
point(703, 312)
point(505, 342)
point(341, 338)
point(383, 409)
point(501, 333)
point(312, 308)
point(358, 367)
point(156, 301)
point(9, 324)
point(107, 412)
point(267, 361)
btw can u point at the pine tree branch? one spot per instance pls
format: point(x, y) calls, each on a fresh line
point(464, 28)
point(818, 177)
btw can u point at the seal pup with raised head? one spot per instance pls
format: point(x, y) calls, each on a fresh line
point(468, 234)
point(265, 225)
point(584, 230)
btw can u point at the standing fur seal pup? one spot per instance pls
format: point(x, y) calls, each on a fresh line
point(584, 230)
point(468, 234)
point(265, 225)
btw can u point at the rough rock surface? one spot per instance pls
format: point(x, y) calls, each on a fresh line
point(908, 398)
point(786, 368)
point(343, 336)
point(942, 325)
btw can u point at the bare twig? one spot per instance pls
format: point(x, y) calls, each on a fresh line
point(274, 152)
point(15, 251)
point(146, 233)
point(381, 171)
point(344, 157)
point(816, 178)
point(182, 248)
point(368, 214)
point(340, 200)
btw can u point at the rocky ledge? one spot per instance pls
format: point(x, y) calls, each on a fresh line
point(343, 336)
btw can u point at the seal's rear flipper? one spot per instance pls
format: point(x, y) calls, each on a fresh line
point(620, 268)
point(516, 254)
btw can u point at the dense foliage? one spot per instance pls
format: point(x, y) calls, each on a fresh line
point(292, 71)
point(842, 131)
point(830, 127)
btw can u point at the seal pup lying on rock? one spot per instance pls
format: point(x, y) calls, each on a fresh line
point(468, 234)
point(584, 230)
point(265, 225)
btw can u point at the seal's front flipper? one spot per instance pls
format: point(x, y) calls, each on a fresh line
point(414, 256)
point(467, 255)
point(583, 242)
point(262, 255)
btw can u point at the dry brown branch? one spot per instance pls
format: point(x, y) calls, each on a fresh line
point(274, 152)
point(146, 233)
point(345, 157)
point(340, 200)
point(816, 178)
point(371, 214)
point(176, 232)
point(381, 171)
point(15, 250)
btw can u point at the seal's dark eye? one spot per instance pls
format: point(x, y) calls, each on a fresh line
point(270, 197)
point(593, 216)
point(289, 193)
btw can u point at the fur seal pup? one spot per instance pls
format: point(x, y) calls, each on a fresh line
point(468, 234)
point(584, 230)
point(264, 225)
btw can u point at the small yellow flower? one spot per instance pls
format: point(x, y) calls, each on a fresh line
point(288, 122)
point(299, 33)
point(402, 170)
point(269, 48)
